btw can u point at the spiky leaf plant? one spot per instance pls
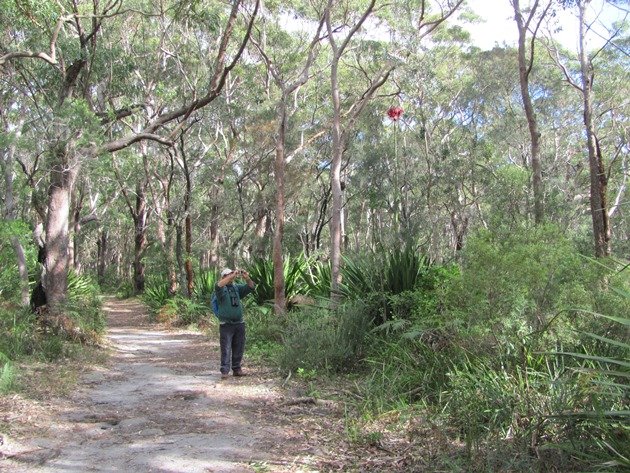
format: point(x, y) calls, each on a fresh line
point(602, 435)
point(261, 271)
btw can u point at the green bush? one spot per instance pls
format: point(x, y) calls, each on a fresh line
point(262, 272)
point(205, 281)
point(156, 294)
point(320, 339)
point(598, 429)
point(317, 279)
point(185, 311)
point(84, 305)
point(17, 332)
point(516, 282)
point(7, 374)
point(403, 370)
point(10, 289)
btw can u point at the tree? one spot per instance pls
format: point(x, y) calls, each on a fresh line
point(72, 66)
point(583, 83)
point(525, 23)
point(288, 83)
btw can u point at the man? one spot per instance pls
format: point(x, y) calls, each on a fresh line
point(231, 323)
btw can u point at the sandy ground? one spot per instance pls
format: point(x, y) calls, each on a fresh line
point(159, 405)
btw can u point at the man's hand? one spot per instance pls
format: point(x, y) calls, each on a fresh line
point(245, 275)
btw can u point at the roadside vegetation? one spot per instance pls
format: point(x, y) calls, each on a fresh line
point(519, 354)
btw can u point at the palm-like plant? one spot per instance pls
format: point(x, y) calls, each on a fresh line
point(405, 270)
point(606, 424)
point(261, 271)
point(204, 284)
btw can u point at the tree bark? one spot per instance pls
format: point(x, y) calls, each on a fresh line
point(598, 188)
point(524, 69)
point(101, 256)
point(140, 238)
point(10, 214)
point(278, 261)
point(55, 277)
point(190, 277)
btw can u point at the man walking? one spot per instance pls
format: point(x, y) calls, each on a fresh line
point(231, 323)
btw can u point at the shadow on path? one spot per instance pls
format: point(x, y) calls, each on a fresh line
point(160, 406)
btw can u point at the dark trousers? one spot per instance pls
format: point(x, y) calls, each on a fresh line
point(232, 340)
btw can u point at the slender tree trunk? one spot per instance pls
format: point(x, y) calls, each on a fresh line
point(169, 251)
point(178, 249)
point(261, 233)
point(140, 238)
point(335, 182)
point(73, 250)
point(214, 235)
point(524, 69)
point(278, 261)
point(599, 213)
point(10, 214)
point(101, 256)
point(190, 277)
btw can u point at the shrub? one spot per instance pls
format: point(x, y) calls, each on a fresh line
point(9, 274)
point(515, 283)
point(261, 271)
point(205, 281)
point(599, 429)
point(7, 374)
point(156, 294)
point(84, 304)
point(403, 370)
point(183, 311)
point(17, 332)
point(317, 338)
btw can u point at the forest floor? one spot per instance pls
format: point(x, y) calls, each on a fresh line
point(156, 403)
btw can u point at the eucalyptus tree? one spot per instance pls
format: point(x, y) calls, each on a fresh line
point(582, 79)
point(87, 113)
point(340, 130)
point(342, 25)
point(10, 213)
point(288, 76)
point(529, 20)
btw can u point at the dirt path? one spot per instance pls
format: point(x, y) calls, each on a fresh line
point(159, 406)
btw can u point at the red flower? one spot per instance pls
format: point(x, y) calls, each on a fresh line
point(394, 113)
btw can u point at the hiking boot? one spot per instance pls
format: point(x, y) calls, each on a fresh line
point(225, 375)
point(239, 373)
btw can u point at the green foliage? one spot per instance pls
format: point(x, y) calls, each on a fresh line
point(406, 270)
point(514, 282)
point(9, 275)
point(186, 311)
point(361, 274)
point(7, 374)
point(261, 271)
point(320, 339)
point(17, 332)
point(489, 399)
point(84, 304)
point(264, 331)
point(205, 281)
point(156, 293)
point(402, 371)
point(179, 309)
point(600, 429)
point(317, 279)
point(403, 271)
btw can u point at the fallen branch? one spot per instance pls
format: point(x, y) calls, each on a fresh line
point(307, 400)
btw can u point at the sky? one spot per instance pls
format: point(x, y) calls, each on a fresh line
point(500, 26)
